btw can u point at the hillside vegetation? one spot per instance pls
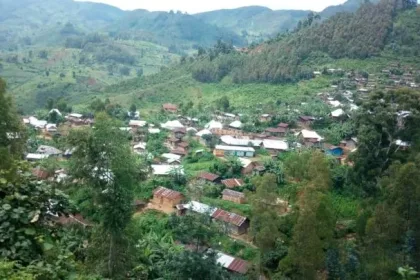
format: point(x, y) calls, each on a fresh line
point(359, 35)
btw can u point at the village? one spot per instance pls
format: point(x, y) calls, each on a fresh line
point(185, 149)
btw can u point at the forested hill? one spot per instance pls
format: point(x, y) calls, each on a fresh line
point(257, 23)
point(391, 25)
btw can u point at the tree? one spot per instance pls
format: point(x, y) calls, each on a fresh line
point(103, 160)
point(223, 104)
point(133, 110)
point(12, 136)
point(125, 71)
point(312, 235)
point(139, 72)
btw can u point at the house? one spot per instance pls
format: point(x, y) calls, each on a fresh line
point(265, 118)
point(247, 166)
point(140, 148)
point(339, 113)
point(153, 130)
point(179, 151)
point(334, 151)
point(40, 173)
point(179, 132)
point(275, 146)
point(51, 127)
point(39, 124)
point(229, 131)
point(36, 157)
point(171, 125)
point(134, 124)
point(283, 125)
point(172, 158)
point(170, 108)
point(232, 264)
point(334, 103)
point(236, 124)
point(306, 120)
point(173, 141)
point(310, 138)
point(213, 124)
point(203, 132)
point(402, 144)
point(232, 141)
point(234, 196)
point(233, 183)
point(166, 169)
point(214, 178)
point(222, 150)
point(48, 150)
point(276, 131)
point(168, 198)
point(350, 144)
point(197, 207)
point(233, 223)
point(183, 145)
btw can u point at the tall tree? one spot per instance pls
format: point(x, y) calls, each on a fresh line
point(104, 162)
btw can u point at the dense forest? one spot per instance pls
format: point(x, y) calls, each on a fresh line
point(359, 35)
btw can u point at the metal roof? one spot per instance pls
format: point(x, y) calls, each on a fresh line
point(233, 193)
point(208, 176)
point(167, 193)
point(229, 217)
point(233, 264)
point(234, 148)
point(232, 183)
point(275, 145)
point(200, 208)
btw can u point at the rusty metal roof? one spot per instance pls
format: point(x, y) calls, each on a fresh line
point(233, 183)
point(239, 266)
point(208, 176)
point(229, 217)
point(167, 193)
point(276, 130)
point(233, 193)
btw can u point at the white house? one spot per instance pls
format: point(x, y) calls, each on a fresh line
point(236, 124)
point(165, 170)
point(214, 124)
point(172, 125)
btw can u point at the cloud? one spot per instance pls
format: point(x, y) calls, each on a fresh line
point(194, 6)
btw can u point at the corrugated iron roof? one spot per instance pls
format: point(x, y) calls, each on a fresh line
point(276, 130)
point(167, 193)
point(229, 217)
point(233, 193)
point(239, 266)
point(208, 176)
point(233, 183)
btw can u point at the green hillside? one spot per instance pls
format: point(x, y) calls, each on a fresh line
point(255, 23)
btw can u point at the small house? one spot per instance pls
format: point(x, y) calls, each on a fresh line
point(310, 138)
point(170, 108)
point(234, 196)
point(283, 125)
point(236, 124)
point(222, 150)
point(232, 264)
point(265, 118)
point(173, 141)
point(166, 197)
point(338, 114)
point(233, 223)
point(135, 124)
point(171, 125)
point(179, 151)
point(40, 173)
point(306, 120)
point(36, 157)
point(51, 127)
point(275, 146)
point(49, 150)
point(233, 183)
point(166, 170)
point(276, 131)
point(179, 132)
point(247, 166)
point(210, 177)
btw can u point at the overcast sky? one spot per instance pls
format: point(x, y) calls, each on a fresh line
point(196, 6)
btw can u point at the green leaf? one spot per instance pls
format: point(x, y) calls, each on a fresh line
point(30, 231)
point(48, 246)
point(3, 181)
point(7, 207)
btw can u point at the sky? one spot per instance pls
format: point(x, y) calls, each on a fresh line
point(197, 6)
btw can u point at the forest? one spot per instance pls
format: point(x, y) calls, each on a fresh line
point(286, 59)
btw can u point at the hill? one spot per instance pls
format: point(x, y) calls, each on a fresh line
point(258, 23)
point(255, 23)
